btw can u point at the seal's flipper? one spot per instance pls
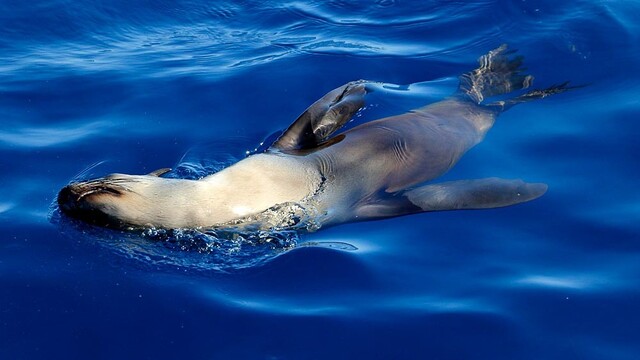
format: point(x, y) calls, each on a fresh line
point(497, 74)
point(453, 195)
point(504, 105)
point(323, 118)
point(474, 194)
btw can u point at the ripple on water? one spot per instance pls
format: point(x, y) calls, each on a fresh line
point(223, 38)
point(44, 136)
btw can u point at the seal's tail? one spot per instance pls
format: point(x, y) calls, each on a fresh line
point(501, 73)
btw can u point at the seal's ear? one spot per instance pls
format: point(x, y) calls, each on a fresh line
point(159, 172)
point(323, 118)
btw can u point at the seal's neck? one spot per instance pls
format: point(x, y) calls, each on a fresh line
point(256, 184)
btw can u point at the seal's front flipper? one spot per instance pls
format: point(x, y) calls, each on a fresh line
point(474, 194)
point(323, 118)
point(453, 195)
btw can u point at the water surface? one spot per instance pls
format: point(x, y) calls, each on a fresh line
point(93, 87)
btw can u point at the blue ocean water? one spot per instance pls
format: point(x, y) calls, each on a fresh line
point(93, 87)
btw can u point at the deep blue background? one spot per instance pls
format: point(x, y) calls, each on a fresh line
point(134, 85)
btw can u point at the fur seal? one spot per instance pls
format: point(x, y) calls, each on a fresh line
point(314, 176)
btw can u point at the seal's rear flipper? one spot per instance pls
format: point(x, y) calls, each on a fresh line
point(323, 118)
point(504, 105)
point(500, 73)
point(497, 74)
point(474, 194)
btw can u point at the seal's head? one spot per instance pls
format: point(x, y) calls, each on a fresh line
point(142, 201)
point(100, 202)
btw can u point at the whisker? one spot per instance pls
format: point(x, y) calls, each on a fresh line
point(83, 174)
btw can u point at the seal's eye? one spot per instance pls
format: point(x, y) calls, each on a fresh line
point(108, 189)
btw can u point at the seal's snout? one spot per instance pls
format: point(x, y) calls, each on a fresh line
point(68, 198)
point(84, 201)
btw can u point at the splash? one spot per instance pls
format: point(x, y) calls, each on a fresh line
point(183, 249)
